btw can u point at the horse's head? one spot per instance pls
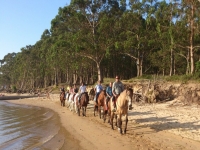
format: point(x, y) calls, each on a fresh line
point(92, 92)
point(129, 95)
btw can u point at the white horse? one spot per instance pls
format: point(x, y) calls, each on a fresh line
point(72, 102)
point(75, 102)
point(67, 99)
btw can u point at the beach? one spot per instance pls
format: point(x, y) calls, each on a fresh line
point(151, 126)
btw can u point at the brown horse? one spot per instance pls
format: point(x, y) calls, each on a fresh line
point(123, 103)
point(101, 104)
point(91, 94)
point(83, 103)
point(62, 98)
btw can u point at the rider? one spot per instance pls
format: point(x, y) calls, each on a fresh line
point(62, 89)
point(117, 88)
point(109, 93)
point(82, 90)
point(98, 88)
point(73, 90)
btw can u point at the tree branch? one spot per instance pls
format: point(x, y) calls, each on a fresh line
point(196, 47)
point(88, 56)
point(182, 46)
point(129, 55)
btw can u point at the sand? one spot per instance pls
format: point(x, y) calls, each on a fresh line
point(151, 126)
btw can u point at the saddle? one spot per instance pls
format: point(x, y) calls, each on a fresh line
point(114, 99)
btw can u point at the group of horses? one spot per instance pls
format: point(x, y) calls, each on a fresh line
point(123, 104)
point(73, 102)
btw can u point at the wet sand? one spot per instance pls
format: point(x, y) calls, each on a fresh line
point(149, 127)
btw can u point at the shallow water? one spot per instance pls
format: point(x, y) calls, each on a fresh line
point(27, 127)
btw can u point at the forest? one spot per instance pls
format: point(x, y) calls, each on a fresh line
point(90, 40)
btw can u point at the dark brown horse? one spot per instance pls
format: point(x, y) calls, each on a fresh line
point(101, 104)
point(62, 98)
point(83, 103)
point(123, 103)
point(91, 94)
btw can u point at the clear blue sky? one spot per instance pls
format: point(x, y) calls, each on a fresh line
point(22, 22)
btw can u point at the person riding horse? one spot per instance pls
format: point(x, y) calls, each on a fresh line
point(73, 91)
point(98, 88)
point(117, 88)
point(82, 90)
point(62, 90)
point(109, 93)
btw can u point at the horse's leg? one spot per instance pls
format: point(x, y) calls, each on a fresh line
point(104, 115)
point(111, 120)
point(109, 114)
point(115, 120)
point(126, 124)
point(76, 107)
point(79, 110)
point(83, 111)
point(73, 107)
point(95, 109)
point(120, 123)
point(99, 110)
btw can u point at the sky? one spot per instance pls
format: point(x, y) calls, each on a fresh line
point(22, 22)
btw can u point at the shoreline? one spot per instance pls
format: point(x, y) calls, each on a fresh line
point(91, 133)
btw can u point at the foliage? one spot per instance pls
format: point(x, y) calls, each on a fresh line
point(96, 40)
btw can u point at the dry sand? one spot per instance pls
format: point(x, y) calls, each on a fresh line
point(157, 126)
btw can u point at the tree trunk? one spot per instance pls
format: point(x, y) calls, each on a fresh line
point(23, 80)
point(191, 39)
point(99, 72)
point(188, 64)
point(55, 77)
point(172, 63)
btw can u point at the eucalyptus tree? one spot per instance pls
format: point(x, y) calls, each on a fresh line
point(165, 38)
point(63, 28)
point(7, 67)
point(24, 63)
point(48, 62)
point(66, 32)
point(137, 33)
point(189, 17)
point(92, 38)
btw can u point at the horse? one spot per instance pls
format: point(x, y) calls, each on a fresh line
point(67, 94)
point(75, 102)
point(123, 104)
point(91, 94)
point(71, 101)
point(62, 99)
point(101, 104)
point(84, 99)
point(107, 109)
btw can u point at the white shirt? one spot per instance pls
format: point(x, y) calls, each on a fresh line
point(98, 88)
point(82, 88)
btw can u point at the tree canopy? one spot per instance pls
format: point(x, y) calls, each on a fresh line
point(89, 40)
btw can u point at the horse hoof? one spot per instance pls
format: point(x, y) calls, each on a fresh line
point(118, 129)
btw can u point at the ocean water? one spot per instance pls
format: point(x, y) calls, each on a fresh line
point(27, 127)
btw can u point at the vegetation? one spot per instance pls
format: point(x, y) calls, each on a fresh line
point(93, 40)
